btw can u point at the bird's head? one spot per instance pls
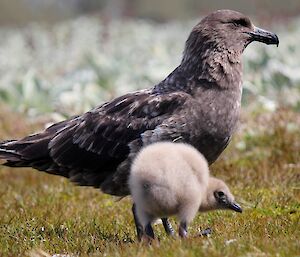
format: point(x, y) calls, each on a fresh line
point(226, 30)
point(218, 196)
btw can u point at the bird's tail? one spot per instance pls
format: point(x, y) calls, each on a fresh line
point(30, 151)
point(7, 151)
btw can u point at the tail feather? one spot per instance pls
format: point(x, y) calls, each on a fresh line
point(26, 149)
point(31, 153)
point(30, 149)
point(9, 155)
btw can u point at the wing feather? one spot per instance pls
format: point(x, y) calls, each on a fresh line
point(89, 148)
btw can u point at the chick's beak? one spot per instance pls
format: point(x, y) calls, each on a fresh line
point(234, 206)
point(264, 36)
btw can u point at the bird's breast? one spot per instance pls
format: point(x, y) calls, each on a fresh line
point(217, 112)
point(213, 120)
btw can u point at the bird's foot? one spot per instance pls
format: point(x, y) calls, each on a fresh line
point(149, 231)
point(168, 227)
point(148, 235)
point(183, 230)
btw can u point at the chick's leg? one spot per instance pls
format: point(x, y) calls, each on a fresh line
point(138, 225)
point(149, 231)
point(183, 229)
point(168, 227)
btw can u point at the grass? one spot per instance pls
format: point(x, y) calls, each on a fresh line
point(43, 215)
point(67, 68)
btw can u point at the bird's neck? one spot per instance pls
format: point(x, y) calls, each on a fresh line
point(206, 206)
point(221, 68)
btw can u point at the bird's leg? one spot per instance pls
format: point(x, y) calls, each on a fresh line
point(149, 231)
point(183, 229)
point(168, 227)
point(138, 225)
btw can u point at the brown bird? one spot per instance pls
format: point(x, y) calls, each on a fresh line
point(198, 103)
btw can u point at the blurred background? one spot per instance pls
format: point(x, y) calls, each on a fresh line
point(63, 57)
point(23, 11)
point(60, 58)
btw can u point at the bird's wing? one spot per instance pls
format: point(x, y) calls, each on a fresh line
point(90, 147)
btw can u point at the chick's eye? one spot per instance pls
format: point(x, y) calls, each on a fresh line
point(220, 194)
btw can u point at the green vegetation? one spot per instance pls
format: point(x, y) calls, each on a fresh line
point(70, 67)
point(43, 214)
point(75, 65)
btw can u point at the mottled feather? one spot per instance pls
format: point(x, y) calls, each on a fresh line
point(198, 103)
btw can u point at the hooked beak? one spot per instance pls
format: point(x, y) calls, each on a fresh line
point(234, 206)
point(264, 36)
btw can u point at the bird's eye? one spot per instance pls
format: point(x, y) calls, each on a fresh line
point(240, 22)
point(219, 194)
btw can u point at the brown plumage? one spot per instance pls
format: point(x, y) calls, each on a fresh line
point(198, 103)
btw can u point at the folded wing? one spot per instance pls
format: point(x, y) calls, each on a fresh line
point(89, 148)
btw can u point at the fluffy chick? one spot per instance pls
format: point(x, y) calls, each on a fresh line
point(169, 179)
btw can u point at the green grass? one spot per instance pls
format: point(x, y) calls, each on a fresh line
point(42, 214)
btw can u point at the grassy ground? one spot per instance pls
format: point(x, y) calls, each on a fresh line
point(42, 214)
point(68, 68)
